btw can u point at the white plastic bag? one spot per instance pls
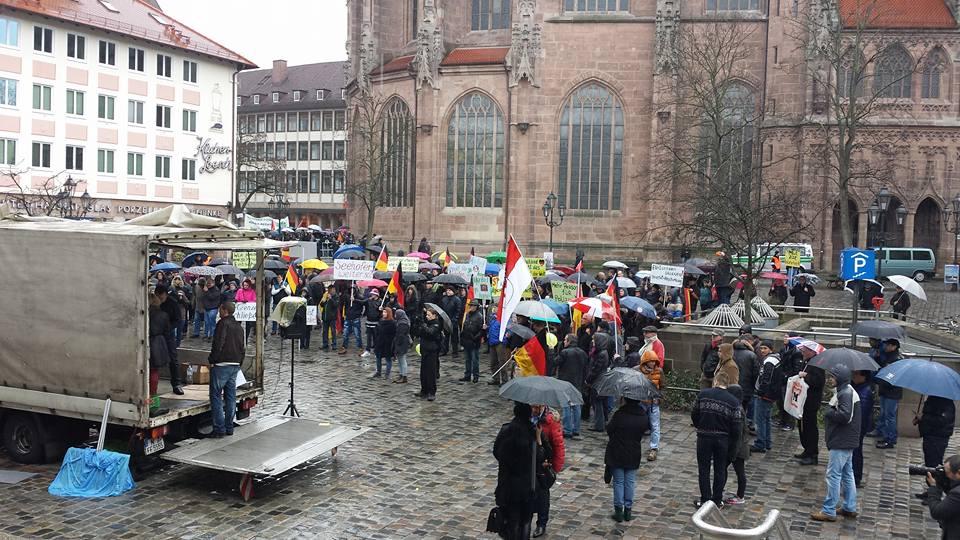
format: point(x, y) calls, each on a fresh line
point(795, 396)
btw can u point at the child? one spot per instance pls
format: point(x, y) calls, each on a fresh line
point(738, 456)
point(650, 366)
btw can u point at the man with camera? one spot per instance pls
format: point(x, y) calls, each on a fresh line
point(945, 479)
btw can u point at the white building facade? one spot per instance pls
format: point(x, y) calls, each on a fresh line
point(131, 106)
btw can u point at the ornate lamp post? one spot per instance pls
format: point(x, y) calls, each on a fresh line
point(548, 214)
point(878, 219)
point(951, 222)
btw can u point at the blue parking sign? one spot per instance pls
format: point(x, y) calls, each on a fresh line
point(858, 264)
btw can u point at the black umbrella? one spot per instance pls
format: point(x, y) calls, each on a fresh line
point(625, 382)
point(537, 390)
point(878, 329)
point(550, 278)
point(693, 270)
point(385, 276)
point(413, 277)
point(450, 279)
point(268, 275)
point(443, 315)
point(701, 263)
point(517, 335)
point(853, 359)
point(218, 262)
point(581, 277)
point(275, 265)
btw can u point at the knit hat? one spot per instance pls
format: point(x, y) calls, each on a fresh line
point(649, 356)
point(374, 292)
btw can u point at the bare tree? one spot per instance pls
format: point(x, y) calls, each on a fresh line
point(262, 174)
point(51, 198)
point(709, 158)
point(379, 148)
point(861, 75)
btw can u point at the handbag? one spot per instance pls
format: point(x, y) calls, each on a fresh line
point(495, 520)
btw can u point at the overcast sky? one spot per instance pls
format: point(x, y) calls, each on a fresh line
point(298, 31)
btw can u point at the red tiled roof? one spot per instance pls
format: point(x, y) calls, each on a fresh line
point(464, 56)
point(896, 14)
point(400, 63)
point(134, 18)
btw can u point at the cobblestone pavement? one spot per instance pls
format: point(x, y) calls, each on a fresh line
point(940, 303)
point(426, 471)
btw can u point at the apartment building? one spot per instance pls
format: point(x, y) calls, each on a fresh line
point(115, 100)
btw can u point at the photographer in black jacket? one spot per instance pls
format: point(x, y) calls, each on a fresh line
point(936, 427)
point(946, 511)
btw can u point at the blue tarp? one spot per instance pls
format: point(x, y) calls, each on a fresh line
point(88, 473)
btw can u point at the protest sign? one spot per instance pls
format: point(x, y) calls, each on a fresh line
point(548, 259)
point(495, 285)
point(348, 269)
point(312, 315)
point(246, 312)
point(479, 265)
point(791, 258)
point(664, 274)
point(258, 223)
point(538, 267)
point(244, 259)
point(407, 264)
point(481, 288)
point(464, 270)
point(563, 291)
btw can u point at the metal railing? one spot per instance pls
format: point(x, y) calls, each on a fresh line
point(724, 531)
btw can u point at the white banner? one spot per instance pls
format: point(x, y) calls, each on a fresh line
point(245, 312)
point(257, 223)
point(464, 270)
point(349, 269)
point(407, 264)
point(311, 315)
point(663, 274)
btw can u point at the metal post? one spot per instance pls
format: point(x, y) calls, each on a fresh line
point(956, 228)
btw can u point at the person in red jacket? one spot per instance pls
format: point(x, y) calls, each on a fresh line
point(550, 452)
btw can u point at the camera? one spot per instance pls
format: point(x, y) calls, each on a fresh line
point(938, 473)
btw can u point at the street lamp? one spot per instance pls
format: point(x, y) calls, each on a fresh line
point(951, 222)
point(877, 213)
point(548, 214)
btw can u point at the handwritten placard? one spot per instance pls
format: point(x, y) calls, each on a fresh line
point(246, 312)
point(664, 274)
point(481, 288)
point(563, 291)
point(350, 270)
point(244, 259)
point(406, 264)
point(312, 315)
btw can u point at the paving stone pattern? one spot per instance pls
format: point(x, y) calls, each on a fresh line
point(426, 471)
point(940, 303)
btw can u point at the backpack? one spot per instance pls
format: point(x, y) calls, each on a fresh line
point(765, 381)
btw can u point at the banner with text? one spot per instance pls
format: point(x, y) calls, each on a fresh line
point(664, 274)
point(479, 265)
point(258, 223)
point(351, 270)
point(481, 288)
point(792, 258)
point(246, 312)
point(407, 264)
point(464, 270)
point(244, 259)
point(563, 291)
point(312, 315)
point(538, 267)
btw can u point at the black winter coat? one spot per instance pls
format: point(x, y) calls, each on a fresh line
point(452, 306)
point(431, 336)
point(514, 451)
point(472, 333)
point(747, 363)
point(885, 389)
point(792, 360)
point(330, 308)
point(401, 339)
point(946, 511)
point(600, 359)
point(626, 428)
point(939, 415)
point(383, 344)
point(802, 294)
point(572, 367)
point(159, 323)
point(371, 310)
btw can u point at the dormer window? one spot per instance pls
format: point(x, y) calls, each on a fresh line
point(256, 99)
point(296, 95)
point(276, 97)
point(320, 95)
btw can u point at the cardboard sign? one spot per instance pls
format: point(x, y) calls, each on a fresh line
point(563, 291)
point(244, 260)
point(664, 274)
point(245, 312)
point(479, 265)
point(481, 288)
point(495, 285)
point(548, 259)
point(791, 258)
point(406, 264)
point(464, 270)
point(351, 270)
point(311, 315)
point(538, 267)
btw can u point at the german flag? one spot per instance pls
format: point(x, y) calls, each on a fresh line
point(447, 259)
point(293, 279)
point(381, 265)
point(613, 291)
point(466, 303)
point(395, 287)
point(531, 359)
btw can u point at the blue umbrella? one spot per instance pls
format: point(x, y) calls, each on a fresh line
point(924, 377)
point(165, 266)
point(492, 269)
point(639, 305)
point(559, 308)
point(348, 251)
point(194, 259)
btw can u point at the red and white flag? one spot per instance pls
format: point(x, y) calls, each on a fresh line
point(516, 279)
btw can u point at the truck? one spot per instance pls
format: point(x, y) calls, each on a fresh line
point(74, 333)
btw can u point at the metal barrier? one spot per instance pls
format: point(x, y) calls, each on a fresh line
point(724, 531)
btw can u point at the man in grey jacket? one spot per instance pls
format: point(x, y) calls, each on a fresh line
point(842, 423)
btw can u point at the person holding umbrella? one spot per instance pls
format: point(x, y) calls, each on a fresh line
point(431, 340)
point(599, 363)
point(809, 432)
point(802, 292)
point(890, 396)
point(550, 455)
point(936, 427)
point(624, 453)
point(900, 303)
point(514, 450)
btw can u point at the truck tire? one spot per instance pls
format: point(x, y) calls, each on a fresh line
point(919, 276)
point(22, 438)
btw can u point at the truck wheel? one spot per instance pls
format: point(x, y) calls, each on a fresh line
point(919, 276)
point(22, 438)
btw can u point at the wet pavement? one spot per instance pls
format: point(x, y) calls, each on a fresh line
point(426, 470)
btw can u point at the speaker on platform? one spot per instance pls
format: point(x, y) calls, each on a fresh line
point(298, 325)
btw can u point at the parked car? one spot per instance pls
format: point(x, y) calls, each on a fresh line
point(919, 263)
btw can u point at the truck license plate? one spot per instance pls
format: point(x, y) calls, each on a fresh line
point(152, 446)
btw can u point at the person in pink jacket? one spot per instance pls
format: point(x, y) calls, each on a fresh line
point(247, 293)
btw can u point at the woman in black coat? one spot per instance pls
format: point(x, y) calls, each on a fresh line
point(624, 452)
point(159, 326)
point(383, 339)
point(431, 339)
point(516, 478)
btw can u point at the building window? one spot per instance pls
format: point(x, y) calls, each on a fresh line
point(315, 121)
point(134, 164)
point(74, 158)
point(163, 116)
point(894, 73)
point(343, 93)
point(291, 122)
point(105, 161)
point(270, 151)
point(162, 167)
point(475, 153)
point(75, 102)
point(320, 95)
point(42, 97)
point(270, 123)
point(135, 59)
point(276, 97)
point(296, 95)
point(43, 39)
point(135, 112)
point(396, 149)
point(328, 121)
point(281, 122)
point(597, 6)
point(261, 123)
point(303, 121)
point(303, 151)
point(291, 181)
point(591, 149)
point(933, 70)
point(850, 74)
point(339, 150)
point(733, 147)
point(339, 120)
point(189, 71)
point(8, 151)
point(302, 179)
point(314, 181)
point(9, 32)
point(256, 99)
point(108, 53)
point(315, 151)
point(281, 152)
point(339, 181)
point(326, 182)
point(326, 151)
point(8, 92)
point(164, 65)
point(105, 107)
point(41, 155)
point(188, 169)
point(291, 151)
point(76, 47)
point(490, 14)
point(733, 5)
point(190, 121)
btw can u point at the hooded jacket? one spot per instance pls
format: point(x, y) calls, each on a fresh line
point(514, 451)
point(401, 340)
point(769, 383)
point(727, 365)
point(626, 429)
point(746, 361)
point(600, 358)
point(842, 419)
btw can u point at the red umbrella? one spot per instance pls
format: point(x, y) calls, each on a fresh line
point(565, 270)
point(773, 275)
point(371, 283)
point(420, 255)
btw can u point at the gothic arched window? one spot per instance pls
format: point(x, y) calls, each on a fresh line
point(850, 74)
point(396, 140)
point(933, 71)
point(591, 149)
point(475, 154)
point(894, 76)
